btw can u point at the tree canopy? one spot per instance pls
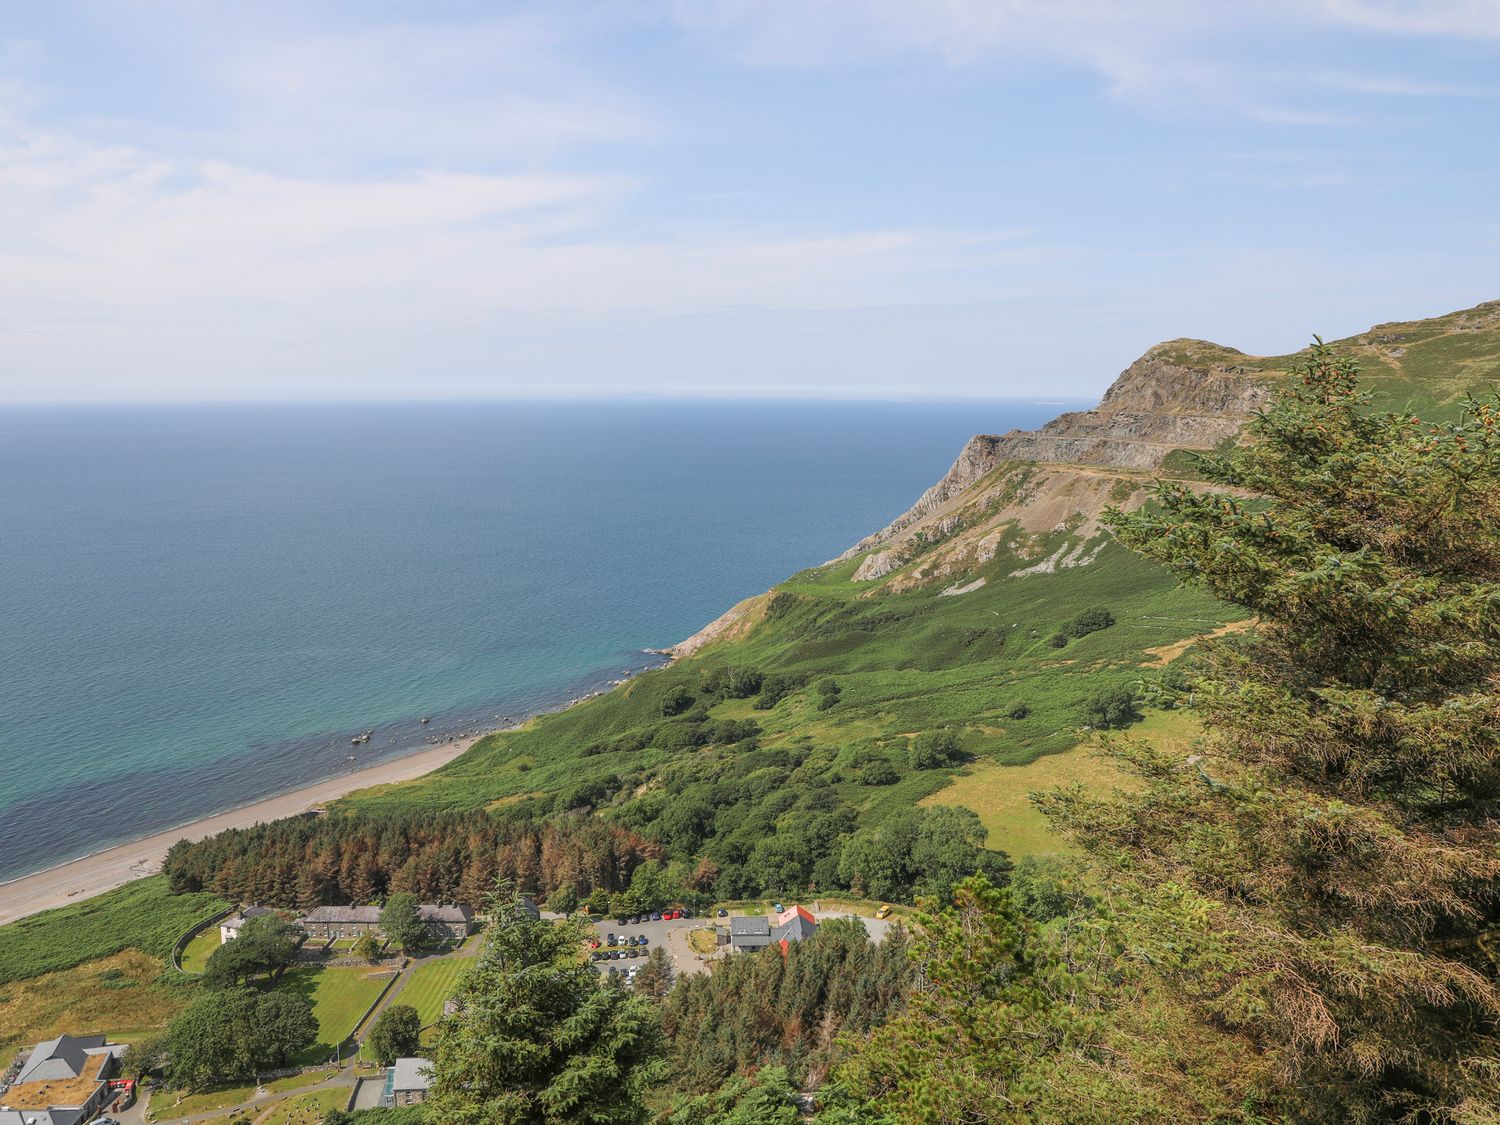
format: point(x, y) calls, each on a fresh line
point(1336, 835)
point(538, 1038)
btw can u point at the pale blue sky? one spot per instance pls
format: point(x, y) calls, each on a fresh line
point(876, 198)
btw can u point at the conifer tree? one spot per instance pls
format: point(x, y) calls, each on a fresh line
point(1338, 833)
point(538, 1038)
point(983, 1027)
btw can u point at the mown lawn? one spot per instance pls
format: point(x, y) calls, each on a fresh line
point(195, 956)
point(431, 983)
point(339, 998)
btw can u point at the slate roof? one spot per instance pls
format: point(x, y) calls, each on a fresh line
point(798, 927)
point(63, 1057)
point(411, 1074)
point(335, 914)
point(753, 932)
point(39, 1117)
point(370, 915)
point(236, 921)
point(446, 914)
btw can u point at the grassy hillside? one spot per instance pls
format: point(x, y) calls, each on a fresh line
point(981, 664)
point(1425, 366)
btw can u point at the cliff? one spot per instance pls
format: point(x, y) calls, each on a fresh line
point(1029, 502)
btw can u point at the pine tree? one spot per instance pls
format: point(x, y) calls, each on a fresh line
point(1338, 835)
point(982, 1030)
point(538, 1038)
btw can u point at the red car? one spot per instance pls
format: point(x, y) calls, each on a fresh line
point(671, 914)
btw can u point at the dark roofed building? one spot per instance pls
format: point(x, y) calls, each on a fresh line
point(448, 922)
point(66, 1080)
point(747, 934)
point(443, 922)
point(758, 931)
point(341, 921)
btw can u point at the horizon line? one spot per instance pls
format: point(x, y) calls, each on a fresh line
point(113, 404)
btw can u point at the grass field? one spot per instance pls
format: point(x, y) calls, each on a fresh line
point(117, 995)
point(431, 983)
point(195, 956)
point(339, 998)
point(306, 1109)
point(1000, 794)
point(165, 1106)
point(140, 915)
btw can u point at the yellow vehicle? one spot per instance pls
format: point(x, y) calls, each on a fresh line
point(884, 911)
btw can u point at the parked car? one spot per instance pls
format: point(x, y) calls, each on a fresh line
point(723, 913)
point(776, 906)
point(643, 941)
point(884, 911)
point(622, 920)
point(609, 939)
point(636, 920)
point(655, 916)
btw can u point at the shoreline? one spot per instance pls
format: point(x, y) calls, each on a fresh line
point(78, 879)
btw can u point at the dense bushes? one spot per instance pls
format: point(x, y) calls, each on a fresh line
point(765, 1010)
point(934, 748)
point(140, 915)
point(1112, 707)
point(923, 852)
point(1090, 621)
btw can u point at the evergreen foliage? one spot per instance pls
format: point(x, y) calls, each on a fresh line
point(1337, 837)
point(980, 1038)
point(763, 1009)
point(538, 1038)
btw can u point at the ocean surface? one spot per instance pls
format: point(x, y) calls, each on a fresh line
point(200, 606)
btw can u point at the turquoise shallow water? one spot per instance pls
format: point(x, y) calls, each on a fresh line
point(200, 606)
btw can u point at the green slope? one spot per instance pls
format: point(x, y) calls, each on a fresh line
point(1426, 366)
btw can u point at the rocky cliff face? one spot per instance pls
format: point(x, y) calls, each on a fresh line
point(1155, 406)
point(1028, 502)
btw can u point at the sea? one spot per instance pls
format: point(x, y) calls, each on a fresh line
point(200, 606)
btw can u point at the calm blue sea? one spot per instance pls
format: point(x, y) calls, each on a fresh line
point(200, 606)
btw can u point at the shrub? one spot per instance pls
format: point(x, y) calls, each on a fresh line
point(1113, 707)
point(1058, 640)
point(1018, 710)
point(1090, 621)
point(878, 771)
point(676, 701)
point(933, 749)
point(775, 688)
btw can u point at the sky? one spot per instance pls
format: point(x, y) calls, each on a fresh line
point(372, 199)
